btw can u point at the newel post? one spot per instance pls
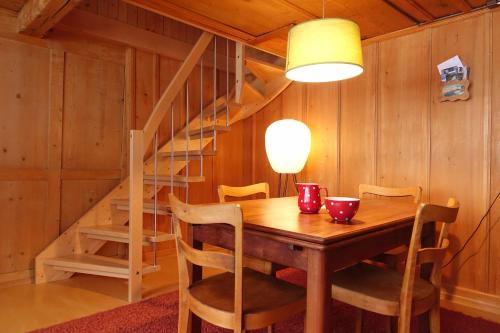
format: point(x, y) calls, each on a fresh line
point(135, 214)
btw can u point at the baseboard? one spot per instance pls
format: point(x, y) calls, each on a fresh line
point(16, 278)
point(471, 302)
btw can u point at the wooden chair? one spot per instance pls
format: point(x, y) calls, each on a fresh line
point(243, 191)
point(391, 293)
point(393, 258)
point(239, 299)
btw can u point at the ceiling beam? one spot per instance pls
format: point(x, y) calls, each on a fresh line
point(412, 9)
point(37, 17)
point(189, 17)
point(278, 33)
point(463, 5)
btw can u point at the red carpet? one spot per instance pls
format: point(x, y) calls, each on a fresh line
point(159, 314)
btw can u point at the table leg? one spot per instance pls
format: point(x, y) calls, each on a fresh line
point(428, 240)
point(196, 275)
point(319, 280)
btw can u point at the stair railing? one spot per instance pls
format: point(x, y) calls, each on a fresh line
point(139, 141)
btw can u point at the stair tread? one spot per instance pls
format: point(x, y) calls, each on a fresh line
point(122, 232)
point(97, 265)
point(208, 130)
point(182, 153)
point(176, 178)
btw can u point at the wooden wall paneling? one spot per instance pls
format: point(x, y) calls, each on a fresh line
point(144, 87)
point(23, 223)
point(459, 161)
point(93, 114)
point(494, 251)
point(25, 95)
point(403, 115)
point(323, 119)
point(358, 126)
point(129, 108)
point(54, 147)
point(78, 196)
point(262, 169)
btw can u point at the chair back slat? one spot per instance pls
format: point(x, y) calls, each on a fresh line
point(242, 191)
point(205, 258)
point(414, 191)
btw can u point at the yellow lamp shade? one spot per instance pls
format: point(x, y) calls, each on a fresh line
point(324, 50)
point(288, 143)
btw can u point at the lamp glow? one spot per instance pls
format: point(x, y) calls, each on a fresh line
point(288, 143)
point(324, 50)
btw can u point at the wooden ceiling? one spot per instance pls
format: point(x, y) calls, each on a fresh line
point(265, 23)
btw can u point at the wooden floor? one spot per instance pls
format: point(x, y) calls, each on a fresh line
point(28, 307)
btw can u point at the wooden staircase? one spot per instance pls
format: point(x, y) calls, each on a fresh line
point(74, 251)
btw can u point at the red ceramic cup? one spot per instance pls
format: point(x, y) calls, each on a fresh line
point(342, 208)
point(309, 197)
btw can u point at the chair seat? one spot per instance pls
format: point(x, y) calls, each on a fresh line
point(378, 290)
point(262, 295)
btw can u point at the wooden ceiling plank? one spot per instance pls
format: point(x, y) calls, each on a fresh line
point(278, 33)
point(175, 12)
point(37, 17)
point(293, 6)
point(413, 9)
point(462, 5)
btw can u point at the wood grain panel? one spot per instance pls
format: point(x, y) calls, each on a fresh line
point(24, 92)
point(403, 129)
point(459, 147)
point(93, 114)
point(358, 126)
point(77, 196)
point(22, 223)
point(494, 262)
point(323, 120)
point(15, 5)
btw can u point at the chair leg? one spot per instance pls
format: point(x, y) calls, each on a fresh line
point(183, 324)
point(434, 319)
point(359, 321)
point(270, 329)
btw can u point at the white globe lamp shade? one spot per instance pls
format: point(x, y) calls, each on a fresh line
point(288, 143)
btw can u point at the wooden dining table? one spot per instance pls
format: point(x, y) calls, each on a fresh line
point(276, 231)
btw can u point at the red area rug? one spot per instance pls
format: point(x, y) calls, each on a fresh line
point(159, 314)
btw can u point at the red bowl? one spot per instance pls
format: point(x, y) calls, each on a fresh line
point(342, 208)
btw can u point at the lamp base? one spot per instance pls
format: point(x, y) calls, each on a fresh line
point(283, 186)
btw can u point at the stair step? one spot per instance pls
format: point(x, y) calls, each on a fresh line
point(162, 207)
point(208, 131)
point(120, 233)
point(191, 154)
point(96, 265)
point(220, 109)
point(177, 180)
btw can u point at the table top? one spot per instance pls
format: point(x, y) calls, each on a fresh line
point(281, 217)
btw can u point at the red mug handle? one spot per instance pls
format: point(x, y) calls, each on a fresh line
point(326, 191)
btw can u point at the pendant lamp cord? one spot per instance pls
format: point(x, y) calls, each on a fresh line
point(323, 8)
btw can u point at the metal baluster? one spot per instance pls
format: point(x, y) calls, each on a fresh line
point(187, 139)
point(201, 112)
point(227, 82)
point(215, 93)
point(172, 161)
point(155, 194)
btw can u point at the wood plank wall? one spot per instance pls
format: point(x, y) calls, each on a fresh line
point(388, 127)
point(68, 103)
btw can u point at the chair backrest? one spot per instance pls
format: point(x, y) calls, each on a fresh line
point(414, 191)
point(417, 255)
point(209, 214)
point(242, 191)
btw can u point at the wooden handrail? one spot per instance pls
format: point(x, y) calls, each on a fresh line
point(175, 86)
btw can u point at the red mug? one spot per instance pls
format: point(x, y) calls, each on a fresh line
point(309, 197)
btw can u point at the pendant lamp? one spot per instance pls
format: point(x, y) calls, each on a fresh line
point(324, 50)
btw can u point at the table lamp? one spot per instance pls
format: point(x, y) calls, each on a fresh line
point(288, 142)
